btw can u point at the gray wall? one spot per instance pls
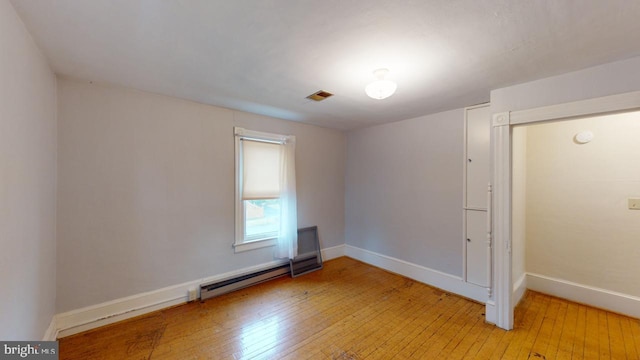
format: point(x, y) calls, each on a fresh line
point(146, 190)
point(404, 190)
point(27, 183)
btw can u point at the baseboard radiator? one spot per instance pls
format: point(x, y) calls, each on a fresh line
point(218, 288)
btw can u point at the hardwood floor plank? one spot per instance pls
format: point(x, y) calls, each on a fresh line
point(635, 330)
point(567, 336)
point(417, 328)
point(489, 347)
point(511, 344)
point(462, 338)
point(424, 333)
point(603, 336)
point(495, 346)
point(411, 323)
point(432, 346)
point(479, 343)
point(556, 331)
point(616, 338)
point(544, 339)
point(581, 333)
point(630, 348)
point(520, 347)
point(350, 310)
point(592, 339)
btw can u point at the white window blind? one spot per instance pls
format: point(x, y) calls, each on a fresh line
point(261, 170)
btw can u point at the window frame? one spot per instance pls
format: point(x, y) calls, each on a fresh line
point(240, 243)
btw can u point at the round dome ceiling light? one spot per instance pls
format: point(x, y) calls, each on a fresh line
point(381, 88)
point(584, 137)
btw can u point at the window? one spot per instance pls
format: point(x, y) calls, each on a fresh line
point(261, 208)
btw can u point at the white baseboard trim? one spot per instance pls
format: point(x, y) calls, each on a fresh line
point(584, 294)
point(419, 273)
point(519, 288)
point(52, 331)
point(332, 252)
point(91, 317)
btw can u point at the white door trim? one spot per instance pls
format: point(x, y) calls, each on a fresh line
point(501, 179)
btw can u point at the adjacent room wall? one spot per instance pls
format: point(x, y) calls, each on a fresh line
point(27, 183)
point(404, 190)
point(146, 190)
point(579, 227)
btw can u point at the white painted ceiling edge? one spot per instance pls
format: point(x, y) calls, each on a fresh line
point(265, 57)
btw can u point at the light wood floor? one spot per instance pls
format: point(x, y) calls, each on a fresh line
point(350, 310)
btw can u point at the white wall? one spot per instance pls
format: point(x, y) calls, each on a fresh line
point(27, 183)
point(404, 190)
point(146, 190)
point(579, 227)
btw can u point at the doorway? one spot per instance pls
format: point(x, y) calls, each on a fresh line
point(574, 234)
point(507, 256)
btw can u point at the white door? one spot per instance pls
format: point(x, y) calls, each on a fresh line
point(477, 247)
point(477, 162)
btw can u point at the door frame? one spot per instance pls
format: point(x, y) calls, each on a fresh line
point(501, 176)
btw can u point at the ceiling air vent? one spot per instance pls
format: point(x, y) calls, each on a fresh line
point(319, 95)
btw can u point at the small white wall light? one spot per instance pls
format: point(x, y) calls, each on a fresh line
point(381, 88)
point(583, 137)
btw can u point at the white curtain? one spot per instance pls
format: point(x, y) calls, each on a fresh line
point(287, 244)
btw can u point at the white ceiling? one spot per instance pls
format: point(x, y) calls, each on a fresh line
point(265, 56)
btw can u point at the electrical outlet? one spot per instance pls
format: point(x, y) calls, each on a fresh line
point(193, 294)
point(634, 204)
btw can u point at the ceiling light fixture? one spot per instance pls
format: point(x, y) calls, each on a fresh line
point(381, 88)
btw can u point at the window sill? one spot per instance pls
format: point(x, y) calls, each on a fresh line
point(252, 245)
